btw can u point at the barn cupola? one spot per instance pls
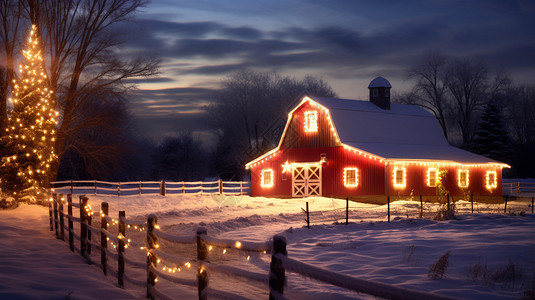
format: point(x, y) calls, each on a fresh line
point(380, 92)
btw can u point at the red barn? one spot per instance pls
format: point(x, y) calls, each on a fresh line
point(367, 150)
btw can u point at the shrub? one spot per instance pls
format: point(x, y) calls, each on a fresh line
point(437, 270)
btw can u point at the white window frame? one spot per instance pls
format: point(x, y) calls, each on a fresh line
point(311, 121)
point(488, 184)
point(403, 178)
point(266, 180)
point(346, 177)
point(436, 179)
point(459, 178)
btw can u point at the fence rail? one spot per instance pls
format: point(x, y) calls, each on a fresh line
point(97, 187)
point(513, 188)
point(160, 257)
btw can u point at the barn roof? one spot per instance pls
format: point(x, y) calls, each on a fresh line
point(404, 132)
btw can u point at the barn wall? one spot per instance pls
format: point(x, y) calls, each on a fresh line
point(296, 137)
point(417, 181)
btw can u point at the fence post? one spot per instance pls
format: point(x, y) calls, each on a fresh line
point(277, 274)
point(241, 187)
point(72, 187)
point(421, 207)
point(388, 202)
point(151, 258)
point(220, 187)
point(532, 205)
point(83, 227)
point(120, 249)
point(162, 188)
point(103, 242)
point(69, 211)
point(119, 189)
point(61, 218)
point(89, 218)
point(505, 200)
point(307, 219)
point(56, 214)
point(50, 212)
point(140, 187)
point(95, 187)
point(472, 202)
point(448, 201)
point(347, 210)
point(202, 255)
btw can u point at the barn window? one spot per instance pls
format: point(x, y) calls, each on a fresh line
point(375, 92)
point(351, 178)
point(491, 180)
point(387, 93)
point(311, 121)
point(400, 177)
point(432, 177)
point(462, 178)
point(267, 178)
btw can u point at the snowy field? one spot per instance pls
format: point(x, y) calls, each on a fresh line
point(491, 254)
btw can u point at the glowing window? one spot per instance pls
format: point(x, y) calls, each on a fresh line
point(491, 180)
point(432, 177)
point(311, 121)
point(462, 178)
point(400, 177)
point(267, 178)
point(351, 177)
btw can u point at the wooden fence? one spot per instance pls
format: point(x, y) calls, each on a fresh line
point(97, 187)
point(513, 188)
point(160, 259)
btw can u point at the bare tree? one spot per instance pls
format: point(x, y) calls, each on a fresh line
point(246, 105)
point(10, 23)
point(430, 91)
point(84, 59)
point(467, 82)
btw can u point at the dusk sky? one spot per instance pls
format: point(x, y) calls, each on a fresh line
point(346, 43)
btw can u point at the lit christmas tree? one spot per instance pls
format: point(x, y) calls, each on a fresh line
point(31, 129)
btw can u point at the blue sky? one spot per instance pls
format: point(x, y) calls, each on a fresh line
point(346, 43)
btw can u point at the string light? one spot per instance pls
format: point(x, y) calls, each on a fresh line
point(31, 125)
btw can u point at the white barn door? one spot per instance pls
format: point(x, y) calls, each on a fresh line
point(306, 180)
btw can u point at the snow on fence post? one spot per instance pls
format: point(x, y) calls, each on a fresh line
point(50, 212)
point(162, 188)
point(69, 211)
point(61, 219)
point(421, 207)
point(83, 227)
point(202, 255)
point(388, 202)
point(56, 215)
point(103, 242)
point(277, 274)
point(120, 249)
point(151, 258)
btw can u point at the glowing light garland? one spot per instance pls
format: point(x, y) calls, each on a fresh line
point(432, 178)
point(351, 177)
point(31, 126)
point(491, 180)
point(267, 178)
point(399, 177)
point(463, 178)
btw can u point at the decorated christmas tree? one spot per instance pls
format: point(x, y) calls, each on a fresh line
point(31, 128)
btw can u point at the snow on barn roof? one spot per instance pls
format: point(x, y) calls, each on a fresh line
point(379, 82)
point(404, 132)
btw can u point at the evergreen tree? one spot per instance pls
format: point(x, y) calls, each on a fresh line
point(491, 137)
point(31, 127)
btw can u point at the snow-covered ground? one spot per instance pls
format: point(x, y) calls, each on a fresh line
point(491, 254)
